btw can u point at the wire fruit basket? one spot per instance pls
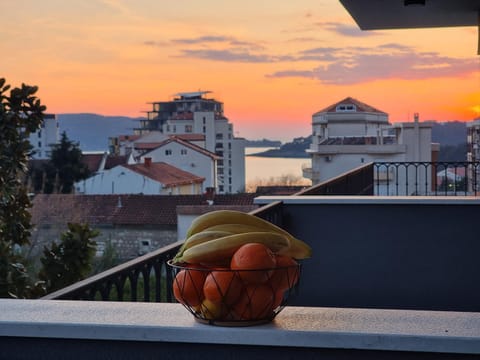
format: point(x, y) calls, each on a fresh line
point(225, 297)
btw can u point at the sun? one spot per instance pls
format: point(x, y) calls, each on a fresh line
point(476, 110)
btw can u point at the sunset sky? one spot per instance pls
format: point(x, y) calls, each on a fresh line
point(272, 63)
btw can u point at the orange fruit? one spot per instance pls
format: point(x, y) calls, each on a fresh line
point(255, 303)
point(188, 286)
point(286, 274)
point(258, 259)
point(278, 298)
point(222, 286)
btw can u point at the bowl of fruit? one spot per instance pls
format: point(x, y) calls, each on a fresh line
point(235, 269)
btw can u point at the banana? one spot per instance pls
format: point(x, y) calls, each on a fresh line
point(199, 238)
point(234, 228)
point(298, 249)
point(218, 250)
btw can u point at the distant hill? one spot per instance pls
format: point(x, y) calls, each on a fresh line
point(92, 131)
point(449, 133)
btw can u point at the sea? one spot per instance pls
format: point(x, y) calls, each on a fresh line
point(260, 169)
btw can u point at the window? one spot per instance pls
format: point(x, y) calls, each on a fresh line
point(188, 128)
point(168, 128)
point(204, 119)
point(39, 134)
point(346, 107)
point(183, 151)
point(204, 129)
point(219, 136)
point(174, 128)
point(39, 144)
point(229, 146)
point(168, 152)
point(219, 153)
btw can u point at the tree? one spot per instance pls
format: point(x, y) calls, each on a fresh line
point(65, 167)
point(71, 259)
point(21, 114)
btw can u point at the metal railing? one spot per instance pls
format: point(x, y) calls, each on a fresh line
point(426, 178)
point(145, 278)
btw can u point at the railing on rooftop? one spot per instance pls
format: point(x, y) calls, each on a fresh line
point(126, 282)
point(426, 178)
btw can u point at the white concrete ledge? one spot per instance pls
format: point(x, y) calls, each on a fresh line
point(387, 200)
point(363, 329)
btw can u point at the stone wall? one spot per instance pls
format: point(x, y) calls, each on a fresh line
point(129, 241)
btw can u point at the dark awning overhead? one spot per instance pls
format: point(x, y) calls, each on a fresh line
point(404, 14)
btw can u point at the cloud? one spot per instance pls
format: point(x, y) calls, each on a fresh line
point(232, 55)
point(217, 39)
point(387, 61)
point(346, 29)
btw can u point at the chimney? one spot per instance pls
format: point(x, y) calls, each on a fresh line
point(147, 161)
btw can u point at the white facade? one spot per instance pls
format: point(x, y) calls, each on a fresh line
point(192, 113)
point(186, 157)
point(43, 139)
point(350, 133)
point(123, 180)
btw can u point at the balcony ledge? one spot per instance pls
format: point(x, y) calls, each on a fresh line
point(388, 200)
point(307, 327)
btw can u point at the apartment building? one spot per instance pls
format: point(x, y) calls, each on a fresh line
point(350, 133)
point(192, 114)
point(45, 137)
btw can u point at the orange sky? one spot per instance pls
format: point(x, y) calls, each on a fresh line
point(272, 63)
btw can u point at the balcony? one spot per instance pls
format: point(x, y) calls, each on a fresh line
point(392, 277)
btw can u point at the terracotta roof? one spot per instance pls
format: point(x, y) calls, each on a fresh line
point(189, 145)
point(92, 161)
point(146, 146)
point(59, 209)
point(360, 106)
point(166, 174)
point(114, 160)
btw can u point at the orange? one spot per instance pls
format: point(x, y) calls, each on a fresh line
point(222, 286)
point(258, 259)
point(188, 286)
point(255, 303)
point(286, 274)
point(278, 298)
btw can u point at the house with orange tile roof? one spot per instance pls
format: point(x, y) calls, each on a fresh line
point(188, 157)
point(149, 178)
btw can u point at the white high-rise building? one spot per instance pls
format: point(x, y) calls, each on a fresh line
point(193, 113)
point(45, 137)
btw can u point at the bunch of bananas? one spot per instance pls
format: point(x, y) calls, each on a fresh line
point(215, 236)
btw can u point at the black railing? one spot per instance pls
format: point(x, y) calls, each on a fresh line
point(146, 278)
point(426, 178)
